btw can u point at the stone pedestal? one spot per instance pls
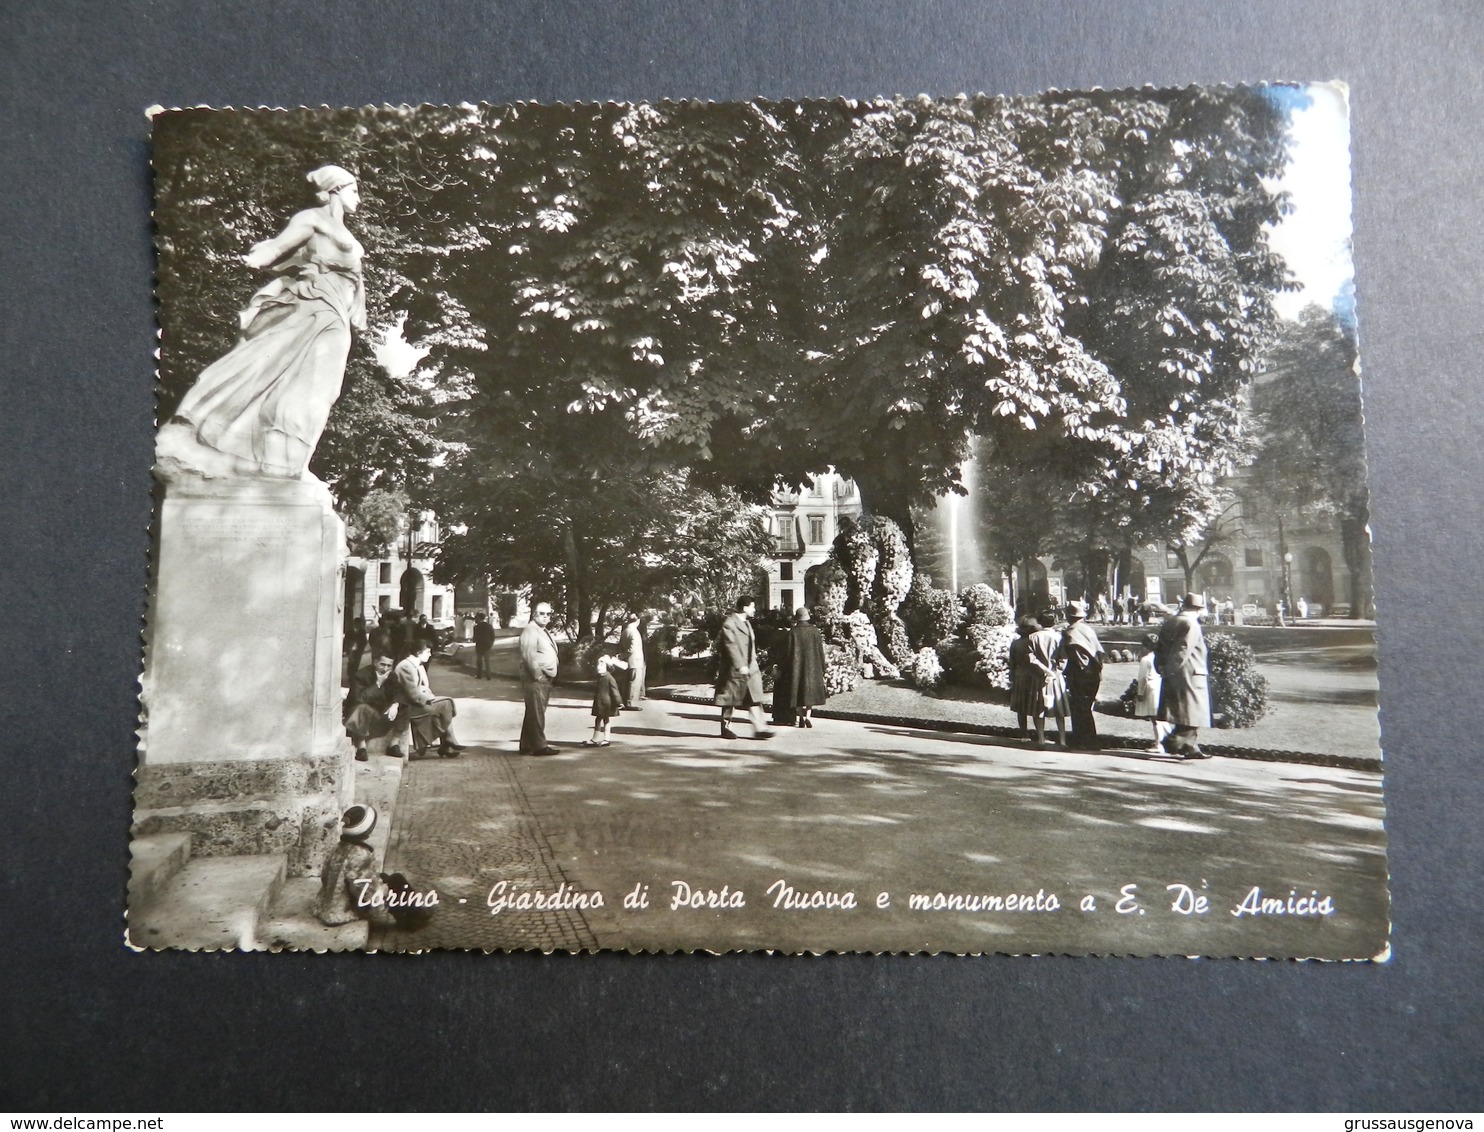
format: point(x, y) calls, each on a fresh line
point(242, 744)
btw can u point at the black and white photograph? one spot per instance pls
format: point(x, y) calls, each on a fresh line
point(915, 524)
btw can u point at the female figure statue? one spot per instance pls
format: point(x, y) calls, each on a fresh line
point(259, 410)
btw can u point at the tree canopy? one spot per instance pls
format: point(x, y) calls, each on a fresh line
point(727, 296)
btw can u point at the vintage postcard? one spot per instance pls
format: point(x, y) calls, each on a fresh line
point(889, 525)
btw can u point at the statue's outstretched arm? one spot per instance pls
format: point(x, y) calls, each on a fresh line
point(295, 235)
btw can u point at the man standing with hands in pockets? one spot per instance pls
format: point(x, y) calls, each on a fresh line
point(538, 668)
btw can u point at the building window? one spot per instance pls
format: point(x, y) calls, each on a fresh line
point(785, 571)
point(1253, 556)
point(816, 529)
point(384, 602)
point(384, 574)
point(437, 606)
point(1172, 560)
point(786, 600)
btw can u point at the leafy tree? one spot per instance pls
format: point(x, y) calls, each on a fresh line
point(599, 547)
point(375, 522)
point(1311, 453)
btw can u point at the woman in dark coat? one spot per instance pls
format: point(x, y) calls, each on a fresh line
point(800, 684)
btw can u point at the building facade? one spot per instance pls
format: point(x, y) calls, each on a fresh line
point(804, 525)
point(401, 579)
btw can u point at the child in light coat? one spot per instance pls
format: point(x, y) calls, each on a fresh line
point(1146, 690)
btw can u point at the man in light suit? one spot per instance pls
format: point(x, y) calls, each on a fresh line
point(631, 648)
point(431, 716)
point(538, 668)
point(739, 681)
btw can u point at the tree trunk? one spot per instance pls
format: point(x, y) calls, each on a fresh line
point(578, 597)
point(878, 499)
point(1354, 541)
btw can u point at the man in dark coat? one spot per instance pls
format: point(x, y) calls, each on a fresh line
point(371, 705)
point(379, 638)
point(1184, 697)
point(426, 633)
point(484, 640)
point(800, 685)
point(1084, 673)
point(739, 682)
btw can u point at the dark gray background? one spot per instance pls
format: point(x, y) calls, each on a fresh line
point(88, 1025)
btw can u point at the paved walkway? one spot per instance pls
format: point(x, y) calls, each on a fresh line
point(883, 813)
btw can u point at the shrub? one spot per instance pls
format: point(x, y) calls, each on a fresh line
point(841, 670)
point(992, 643)
point(833, 588)
point(863, 636)
point(930, 615)
point(927, 670)
point(836, 627)
point(579, 658)
point(894, 566)
point(959, 660)
point(703, 633)
point(893, 637)
point(983, 606)
point(506, 604)
point(1129, 697)
point(856, 552)
point(1239, 692)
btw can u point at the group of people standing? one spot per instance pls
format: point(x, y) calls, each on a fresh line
point(1055, 673)
point(1056, 668)
point(396, 635)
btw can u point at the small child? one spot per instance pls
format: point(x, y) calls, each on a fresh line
point(1146, 691)
point(349, 882)
point(607, 700)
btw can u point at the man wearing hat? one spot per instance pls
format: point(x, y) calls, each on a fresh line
point(1084, 674)
point(1184, 698)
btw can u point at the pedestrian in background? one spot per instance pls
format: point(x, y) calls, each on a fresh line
point(484, 640)
point(1184, 699)
point(355, 646)
point(379, 640)
point(426, 632)
point(1084, 672)
point(631, 649)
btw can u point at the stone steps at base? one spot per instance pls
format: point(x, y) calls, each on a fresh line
point(212, 904)
point(292, 924)
point(153, 861)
